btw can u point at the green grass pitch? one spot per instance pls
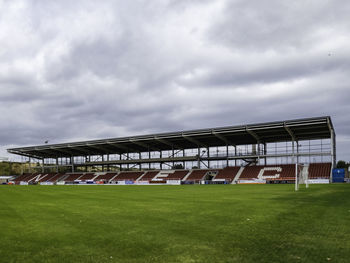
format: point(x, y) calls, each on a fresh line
point(198, 223)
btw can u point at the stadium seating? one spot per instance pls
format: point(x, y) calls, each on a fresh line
point(148, 176)
point(87, 177)
point(250, 172)
point(22, 177)
point(319, 170)
point(284, 171)
point(26, 177)
point(46, 177)
point(197, 175)
point(227, 173)
point(105, 177)
point(56, 177)
point(124, 176)
point(177, 175)
point(42, 177)
point(71, 177)
point(277, 173)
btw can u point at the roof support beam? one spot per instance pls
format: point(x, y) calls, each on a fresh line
point(127, 156)
point(223, 138)
point(62, 151)
point(253, 134)
point(24, 154)
point(124, 148)
point(198, 143)
point(291, 134)
point(79, 150)
point(49, 153)
point(165, 142)
point(105, 149)
point(146, 146)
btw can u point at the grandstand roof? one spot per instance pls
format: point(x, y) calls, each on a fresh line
point(299, 129)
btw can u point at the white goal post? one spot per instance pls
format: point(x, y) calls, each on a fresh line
point(296, 177)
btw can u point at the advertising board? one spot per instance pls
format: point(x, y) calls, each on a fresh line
point(173, 182)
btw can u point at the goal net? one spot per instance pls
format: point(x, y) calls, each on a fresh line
point(301, 176)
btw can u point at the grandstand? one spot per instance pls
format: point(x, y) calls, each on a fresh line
point(250, 174)
point(258, 153)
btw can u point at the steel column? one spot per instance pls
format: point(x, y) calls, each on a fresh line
point(121, 166)
point(108, 167)
point(140, 158)
point(296, 167)
point(149, 157)
point(208, 155)
point(235, 155)
point(183, 154)
point(173, 153)
point(227, 156)
point(127, 157)
point(103, 159)
point(161, 164)
point(297, 151)
point(199, 159)
point(72, 163)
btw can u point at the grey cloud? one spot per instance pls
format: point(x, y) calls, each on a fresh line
point(264, 69)
point(263, 25)
point(89, 70)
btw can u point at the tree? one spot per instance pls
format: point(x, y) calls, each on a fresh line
point(342, 164)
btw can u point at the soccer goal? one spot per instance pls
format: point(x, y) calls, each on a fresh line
point(301, 175)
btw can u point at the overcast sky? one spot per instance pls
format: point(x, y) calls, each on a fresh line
point(76, 70)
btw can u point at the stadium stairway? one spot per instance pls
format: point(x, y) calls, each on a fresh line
point(235, 180)
point(227, 174)
point(44, 177)
point(96, 175)
point(185, 178)
point(57, 177)
point(196, 175)
point(31, 177)
point(106, 177)
point(177, 175)
point(87, 177)
point(127, 176)
point(41, 177)
point(148, 176)
point(34, 177)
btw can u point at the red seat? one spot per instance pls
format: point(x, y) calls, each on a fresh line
point(105, 177)
point(287, 172)
point(197, 175)
point(227, 173)
point(72, 177)
point(124, 176)
point(87, 177)
point(177, 175)
point(320, 170)
point(148, 176)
